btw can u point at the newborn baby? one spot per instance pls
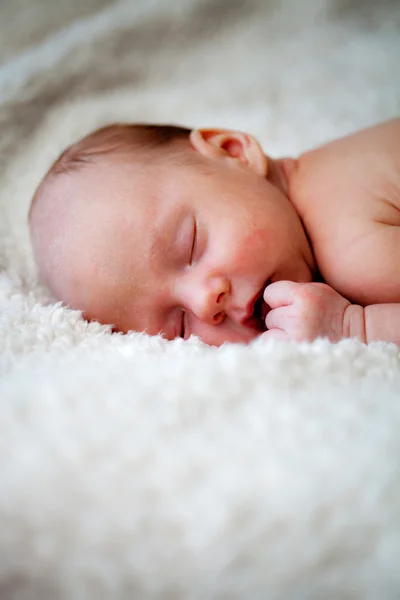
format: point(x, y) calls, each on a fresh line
point(162, 229)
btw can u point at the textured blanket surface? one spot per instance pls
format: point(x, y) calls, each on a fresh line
point(132, 467)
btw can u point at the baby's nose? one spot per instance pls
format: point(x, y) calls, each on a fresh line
point(209, 300)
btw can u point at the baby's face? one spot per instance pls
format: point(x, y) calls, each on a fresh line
point(184, 250)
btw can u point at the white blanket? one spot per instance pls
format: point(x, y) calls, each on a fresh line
point(131, 467)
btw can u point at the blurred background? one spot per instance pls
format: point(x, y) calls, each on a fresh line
point(293, 73)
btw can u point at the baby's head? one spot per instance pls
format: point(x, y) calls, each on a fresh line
point(162, 229)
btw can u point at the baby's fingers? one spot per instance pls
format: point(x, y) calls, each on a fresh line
point(275, 334)
point(279, 318)
point(280, 293)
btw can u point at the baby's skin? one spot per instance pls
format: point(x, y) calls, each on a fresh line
point(347, 194)
point(236, 244)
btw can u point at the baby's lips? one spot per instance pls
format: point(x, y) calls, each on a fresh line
point(265, 308)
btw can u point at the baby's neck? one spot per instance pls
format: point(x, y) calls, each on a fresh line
point(280, 171)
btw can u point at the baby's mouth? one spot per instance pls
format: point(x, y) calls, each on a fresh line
point(260, 311)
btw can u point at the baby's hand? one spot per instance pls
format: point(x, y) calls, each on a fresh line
point(304, 311)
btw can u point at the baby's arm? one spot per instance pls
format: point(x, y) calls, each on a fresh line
point(305, 311)
point(374, 322)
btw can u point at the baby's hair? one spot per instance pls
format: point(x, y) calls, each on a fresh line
point(119, 138)
point(137, 140)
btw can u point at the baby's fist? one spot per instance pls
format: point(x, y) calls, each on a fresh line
point(304, 311)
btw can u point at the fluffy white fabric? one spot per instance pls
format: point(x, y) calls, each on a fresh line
point(131, 467)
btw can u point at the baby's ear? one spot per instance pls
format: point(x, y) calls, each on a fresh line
point(224, 144)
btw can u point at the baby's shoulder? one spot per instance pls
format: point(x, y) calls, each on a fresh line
point(351, 212)
point(364, 265)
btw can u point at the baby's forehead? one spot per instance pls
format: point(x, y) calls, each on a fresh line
point(115, 209)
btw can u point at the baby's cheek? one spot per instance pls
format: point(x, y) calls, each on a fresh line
point(253, 247)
